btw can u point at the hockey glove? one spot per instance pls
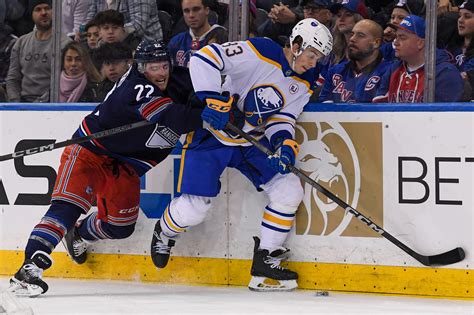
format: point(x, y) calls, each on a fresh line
point(286, 156)
point(216, 113)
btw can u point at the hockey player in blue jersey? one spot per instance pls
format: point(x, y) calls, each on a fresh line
point(274, 84)
point(356, 80)
point(107, 170)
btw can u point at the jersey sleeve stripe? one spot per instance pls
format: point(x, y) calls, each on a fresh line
point(217, 51)
point(87, 132)
point(209, 53)
point(206, 61)
point(154, 104)
point(259, 55)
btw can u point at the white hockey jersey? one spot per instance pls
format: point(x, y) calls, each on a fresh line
point(272, 96)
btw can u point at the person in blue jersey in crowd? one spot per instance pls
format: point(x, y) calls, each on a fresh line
point(357, 79)
point(107, 171)
point(273, 84)
point(196, 16)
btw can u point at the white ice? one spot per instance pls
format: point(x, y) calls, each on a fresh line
point(67, 296)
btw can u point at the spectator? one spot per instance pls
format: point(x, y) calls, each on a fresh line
point(404, 82)
point(282, 17)
point(112, 30)
point(464, 59)
point(319, 10)
point(357, 79)
point(196, 17)
point(29, 75)
point(92, 35)
point(7, 40)
point(115, 60)
point(465, 52)
point(73, 16)
point(348, 13)
point(402, 9)
point(16, 17)
point(79, 78)
point(141, 16)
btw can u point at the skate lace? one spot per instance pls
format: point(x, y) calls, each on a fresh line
point(33, 271)
point(274, 262)
point(160, 247)
point(79, 247)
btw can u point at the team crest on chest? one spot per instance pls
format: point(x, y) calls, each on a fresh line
point(261, 102)
point(162, 138)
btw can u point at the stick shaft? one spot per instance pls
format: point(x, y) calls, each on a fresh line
point(449, 257)
point(57, 145)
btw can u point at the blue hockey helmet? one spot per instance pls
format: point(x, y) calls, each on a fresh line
point(151, 51)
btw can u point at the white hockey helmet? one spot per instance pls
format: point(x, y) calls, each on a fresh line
point(314, 34)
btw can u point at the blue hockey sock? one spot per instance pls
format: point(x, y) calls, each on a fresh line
point(60, 217)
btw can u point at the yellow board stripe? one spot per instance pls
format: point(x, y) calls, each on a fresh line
point(440, 282)
point(283, 222)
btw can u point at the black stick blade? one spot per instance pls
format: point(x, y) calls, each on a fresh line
point(451, 257)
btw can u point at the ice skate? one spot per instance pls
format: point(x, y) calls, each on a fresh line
point(160, 250)
point(28, 280)
point(75, 246)
point(267, 274)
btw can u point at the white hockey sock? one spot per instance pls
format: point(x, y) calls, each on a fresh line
point(275, 228)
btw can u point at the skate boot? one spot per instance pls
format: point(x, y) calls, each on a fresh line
point(160, 250)
point(267, 274)
point(75, 246)
point(28, 280)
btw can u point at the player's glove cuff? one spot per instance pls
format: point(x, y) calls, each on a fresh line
point(220, 103)
point(293, 145)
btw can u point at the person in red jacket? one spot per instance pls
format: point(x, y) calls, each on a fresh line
point(404, 82)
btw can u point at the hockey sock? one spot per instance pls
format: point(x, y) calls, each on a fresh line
point(46, 235)
point(169, 227)
point(92, 229)
point(275, 228)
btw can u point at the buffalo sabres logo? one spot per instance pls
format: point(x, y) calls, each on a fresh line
point(261, 102)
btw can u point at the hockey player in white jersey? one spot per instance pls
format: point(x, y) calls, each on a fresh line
point(273, 84)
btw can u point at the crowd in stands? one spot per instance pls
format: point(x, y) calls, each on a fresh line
point(378, 53)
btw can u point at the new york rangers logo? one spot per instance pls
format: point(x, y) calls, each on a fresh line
point(261, 102)
point(371, 83)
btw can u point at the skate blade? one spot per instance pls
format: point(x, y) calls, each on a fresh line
point(262, 284)
point(21, 289)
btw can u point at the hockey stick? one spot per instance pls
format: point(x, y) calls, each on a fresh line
point(449, 257)
point(57, 145)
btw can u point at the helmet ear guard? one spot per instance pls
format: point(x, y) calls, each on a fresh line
point(313, 34)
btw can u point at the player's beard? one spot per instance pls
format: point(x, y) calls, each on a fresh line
point(361, 54)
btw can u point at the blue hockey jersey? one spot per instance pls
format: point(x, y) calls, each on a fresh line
point(343, 84)
point(183, 45)
point(133, 99)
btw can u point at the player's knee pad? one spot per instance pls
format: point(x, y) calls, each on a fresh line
point(285, 192)
point(118, 232)
point(189, 210)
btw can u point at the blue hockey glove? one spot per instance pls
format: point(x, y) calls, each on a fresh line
point(286, 156)
point(216, 113)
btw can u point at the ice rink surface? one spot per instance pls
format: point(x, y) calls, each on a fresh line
point(67, 296)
